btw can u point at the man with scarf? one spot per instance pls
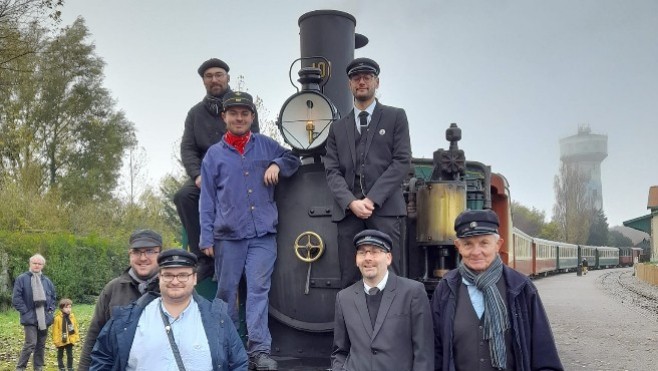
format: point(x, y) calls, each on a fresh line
point(486, 315)
point(239, 217)
point(34, 298)
point(204, 127)
point(139, 278)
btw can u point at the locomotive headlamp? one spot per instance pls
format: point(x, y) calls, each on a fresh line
point(306, 116)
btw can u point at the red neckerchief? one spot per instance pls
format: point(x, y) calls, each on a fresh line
point(237, 142)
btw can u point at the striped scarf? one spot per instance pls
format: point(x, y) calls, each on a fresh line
point(496, 321)
point(39, 299)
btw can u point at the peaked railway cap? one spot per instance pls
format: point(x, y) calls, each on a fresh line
point(176, 258)
point(374, 238)
point(239, 99)
point(362, 65)
point(476, 223)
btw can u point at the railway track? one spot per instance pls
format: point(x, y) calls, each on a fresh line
point(625, 288)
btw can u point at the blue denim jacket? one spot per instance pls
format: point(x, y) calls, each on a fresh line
point(115, 340)
point(235, 203)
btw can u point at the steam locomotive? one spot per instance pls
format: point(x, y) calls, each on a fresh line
point(306, 278)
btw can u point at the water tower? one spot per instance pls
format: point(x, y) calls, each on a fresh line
point(587, 150)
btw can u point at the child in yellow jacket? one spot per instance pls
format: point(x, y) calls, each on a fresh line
point(65, 334)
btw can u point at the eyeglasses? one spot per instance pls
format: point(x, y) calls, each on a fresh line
point(182, 277)
point(373, 252)
point(216, 75)
point(147, 252)
point(365, 78)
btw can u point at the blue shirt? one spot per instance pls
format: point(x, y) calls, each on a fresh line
point(477, 298)
point(235, 203)
point(151, 349)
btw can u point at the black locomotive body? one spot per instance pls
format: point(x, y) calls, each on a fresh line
point(306, 278)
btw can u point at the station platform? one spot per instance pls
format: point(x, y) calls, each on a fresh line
point(605, 320)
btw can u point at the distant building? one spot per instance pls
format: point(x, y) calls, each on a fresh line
point(587, 151)
point(649, 223)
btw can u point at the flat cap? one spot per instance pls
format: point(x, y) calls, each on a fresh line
point(145, 238)
point(176, 258)
point(239, 99)
point(476, 223)
point(212, 62)
point(374, 238)
point(362, 65)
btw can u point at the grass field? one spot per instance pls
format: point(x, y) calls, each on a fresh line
point(11, 339)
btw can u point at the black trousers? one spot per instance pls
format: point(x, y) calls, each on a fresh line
point(69, 357)
point(349, 227)
point(187, 205)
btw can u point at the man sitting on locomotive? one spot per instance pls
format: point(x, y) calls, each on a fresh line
point(487, 315)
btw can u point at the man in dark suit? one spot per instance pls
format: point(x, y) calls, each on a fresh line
point(368, 157)
point(382, 322)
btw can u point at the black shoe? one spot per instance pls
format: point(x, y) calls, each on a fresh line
point(262, 362)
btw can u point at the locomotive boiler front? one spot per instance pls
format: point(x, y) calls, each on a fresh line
point(306, 277)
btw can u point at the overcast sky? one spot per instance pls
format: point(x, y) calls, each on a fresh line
point(516, 76)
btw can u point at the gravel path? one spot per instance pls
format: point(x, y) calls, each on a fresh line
point(605, 320)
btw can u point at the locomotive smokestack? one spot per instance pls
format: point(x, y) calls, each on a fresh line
point(330, 34)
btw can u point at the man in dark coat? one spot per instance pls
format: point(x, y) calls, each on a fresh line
point(204, 127)
point(368, 157)
point(486, 315)
point(34, 298)
point(140, 278)
point(382, 322)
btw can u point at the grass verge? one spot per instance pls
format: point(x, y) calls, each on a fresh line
point(11, 338)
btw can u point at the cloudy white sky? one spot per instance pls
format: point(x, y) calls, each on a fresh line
point(516, 76)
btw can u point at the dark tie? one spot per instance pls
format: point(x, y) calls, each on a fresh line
point(373, 290)
point(363, 121)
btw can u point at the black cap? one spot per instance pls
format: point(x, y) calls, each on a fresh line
point(212, 62)
point(362, 65)
point(176, 258)
point(374, 238)
point(145, 238)
point(476, 223)
point(239, 99)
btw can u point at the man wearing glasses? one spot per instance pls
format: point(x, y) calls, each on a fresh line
point(139, 278)
point(382, 322)
point(368, 157)
point(177, 328)
point(204, 127)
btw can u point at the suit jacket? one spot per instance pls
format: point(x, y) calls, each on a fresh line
point(387, 161)
point(402, 338)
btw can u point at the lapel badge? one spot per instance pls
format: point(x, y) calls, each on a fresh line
point(382, 132)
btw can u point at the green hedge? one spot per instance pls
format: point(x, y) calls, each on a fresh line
point(78, 266)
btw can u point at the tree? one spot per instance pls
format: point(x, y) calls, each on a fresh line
point(17, 25)
point(598, 229)
point(530, 221)
point(617, 239)
point(573, 207)
point(63, 132)
point(550, 231)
